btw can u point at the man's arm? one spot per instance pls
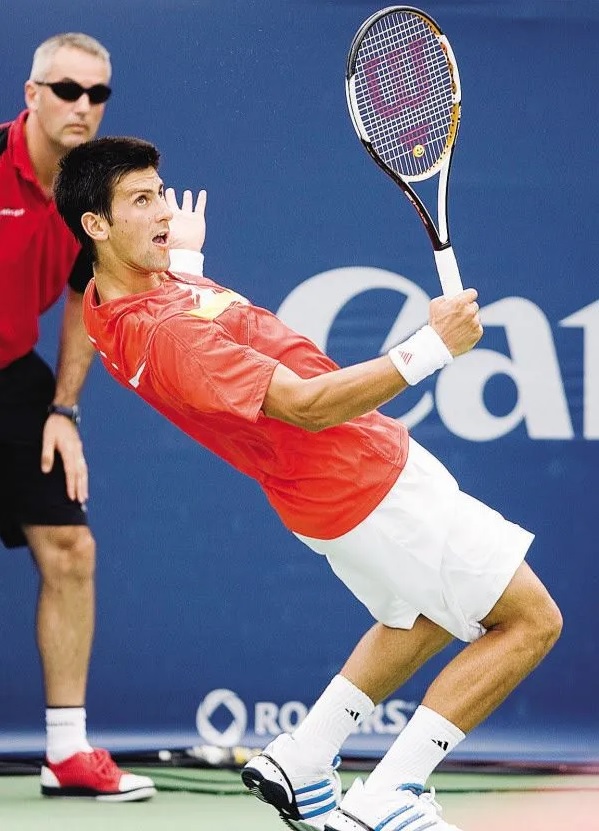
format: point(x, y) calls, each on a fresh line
point(334, 397)
point(75, 352)
point(187, 231)
point(60, 434)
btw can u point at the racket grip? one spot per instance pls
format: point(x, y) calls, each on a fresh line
point(449, 273)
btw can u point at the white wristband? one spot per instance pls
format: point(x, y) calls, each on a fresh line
point(186, 261)
point(420, 355)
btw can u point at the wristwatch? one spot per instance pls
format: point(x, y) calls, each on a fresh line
point(71, 413)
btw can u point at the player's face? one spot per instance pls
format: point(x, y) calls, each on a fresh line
point(138, 234)
point(66, 124)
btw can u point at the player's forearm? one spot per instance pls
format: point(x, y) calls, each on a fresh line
point(75, 352)
point(333, 398)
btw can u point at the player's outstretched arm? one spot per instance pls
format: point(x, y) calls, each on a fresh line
point(330, 399)
point(334, 397)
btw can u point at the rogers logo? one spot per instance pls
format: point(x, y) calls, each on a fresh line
point(459, 392)
point(227, 736)
point(269, 719)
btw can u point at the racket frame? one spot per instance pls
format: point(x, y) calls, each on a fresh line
point(438, 234)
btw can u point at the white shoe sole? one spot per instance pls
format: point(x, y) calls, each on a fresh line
point(266, 780)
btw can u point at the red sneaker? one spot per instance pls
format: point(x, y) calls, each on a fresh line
point(94, 775)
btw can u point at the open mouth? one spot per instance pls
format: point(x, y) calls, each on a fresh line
point(161, 240)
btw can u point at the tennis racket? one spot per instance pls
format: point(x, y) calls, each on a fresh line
point(403, 92)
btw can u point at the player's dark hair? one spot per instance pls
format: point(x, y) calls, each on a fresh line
point(88, 175)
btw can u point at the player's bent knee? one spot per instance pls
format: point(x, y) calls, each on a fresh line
point(542, 629)
point(551, 623)
point(527, 609)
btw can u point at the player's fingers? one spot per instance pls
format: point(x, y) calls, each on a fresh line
point(187, 204)
point(201, 202)
point(469, 295)
point(170, 197)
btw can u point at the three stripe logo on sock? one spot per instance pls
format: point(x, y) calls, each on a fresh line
point(355, 715)
point(443, 745)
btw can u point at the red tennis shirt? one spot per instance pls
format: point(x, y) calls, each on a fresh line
point(39, 252)
point(203, 356)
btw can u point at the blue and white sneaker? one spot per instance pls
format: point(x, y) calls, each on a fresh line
point(410, 808)
point(304, 795)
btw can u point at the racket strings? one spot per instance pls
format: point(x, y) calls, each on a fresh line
point(404, 93)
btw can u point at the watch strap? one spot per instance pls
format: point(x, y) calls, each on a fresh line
point(72, 413)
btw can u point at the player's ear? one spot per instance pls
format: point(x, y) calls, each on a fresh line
point(95, 226)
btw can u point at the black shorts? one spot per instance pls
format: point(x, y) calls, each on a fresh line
point(28, 496)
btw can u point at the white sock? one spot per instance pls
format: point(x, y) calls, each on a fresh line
point(423, 743)
point(336, 714)
point(65, 733)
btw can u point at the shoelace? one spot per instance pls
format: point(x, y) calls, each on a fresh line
point(429, 798)
point(432, 806)
point(105, 765)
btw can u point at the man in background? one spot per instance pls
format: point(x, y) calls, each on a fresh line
point(43, 472)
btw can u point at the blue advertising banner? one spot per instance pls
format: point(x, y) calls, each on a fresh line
point(215, 625)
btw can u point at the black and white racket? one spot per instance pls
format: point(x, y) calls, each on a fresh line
point(403, 92)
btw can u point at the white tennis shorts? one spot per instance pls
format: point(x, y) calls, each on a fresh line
point(430, 549)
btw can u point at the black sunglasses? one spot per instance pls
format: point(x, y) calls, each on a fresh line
point(72, 91)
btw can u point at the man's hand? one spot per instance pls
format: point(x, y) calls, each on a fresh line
point(188, 225)
point(61, 435)
point(456, 321)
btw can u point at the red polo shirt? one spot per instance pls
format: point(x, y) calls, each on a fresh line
point(38, 250)
point(203, 356)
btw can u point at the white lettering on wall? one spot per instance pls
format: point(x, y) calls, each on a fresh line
point(532, 363)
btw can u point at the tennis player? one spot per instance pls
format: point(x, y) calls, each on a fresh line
point(430, 562)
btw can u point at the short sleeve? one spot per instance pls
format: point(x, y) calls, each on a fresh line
point(199, 367)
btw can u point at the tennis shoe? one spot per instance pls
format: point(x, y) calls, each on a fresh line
point(94, 775)
point(410, 808)
point(303, 794)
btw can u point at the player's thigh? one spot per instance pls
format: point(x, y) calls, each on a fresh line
point(428, 549)
point(392, 561)
point(482, 553)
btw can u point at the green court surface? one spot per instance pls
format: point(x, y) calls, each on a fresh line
point(202, 799)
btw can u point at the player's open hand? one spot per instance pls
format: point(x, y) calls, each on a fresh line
point(188, 225)
point(61, 435)
point(456, 321)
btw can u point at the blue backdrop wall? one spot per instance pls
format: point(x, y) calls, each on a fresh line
point(211, 617)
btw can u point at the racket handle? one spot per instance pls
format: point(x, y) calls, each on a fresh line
point(449, 273)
